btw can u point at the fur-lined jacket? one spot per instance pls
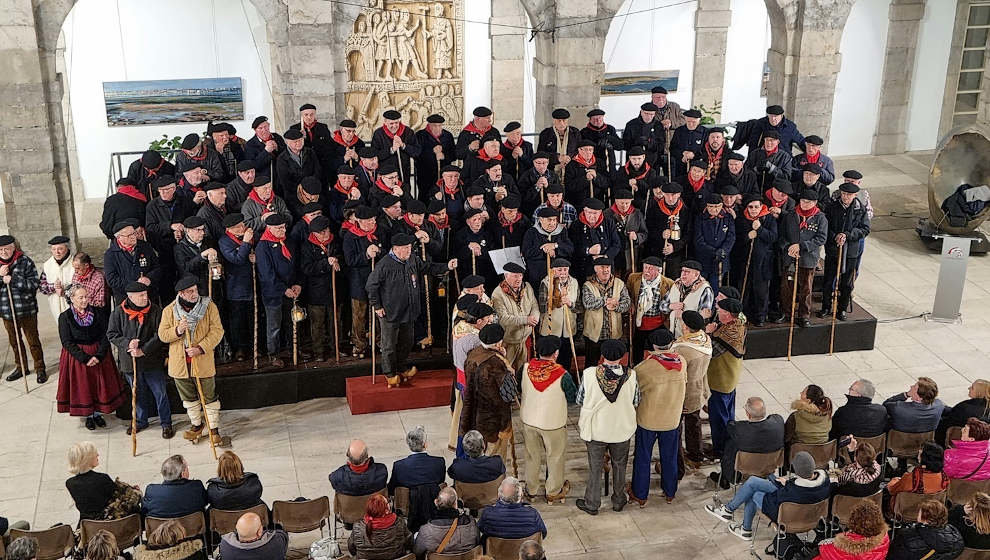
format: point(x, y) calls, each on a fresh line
point(491, 388)
point(808, 423)
point(189, 549)
point(850, 546)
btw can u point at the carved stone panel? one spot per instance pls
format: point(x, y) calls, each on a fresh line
point(406, 55)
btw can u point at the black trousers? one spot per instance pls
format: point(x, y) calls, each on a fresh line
point(241, 321)
point(847, 281)
point(640, 339)
point(592, 352)
point(757, 297)
point(397, 342)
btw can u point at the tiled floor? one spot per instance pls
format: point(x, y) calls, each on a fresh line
point(294, 447)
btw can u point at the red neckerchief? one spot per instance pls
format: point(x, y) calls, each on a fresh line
point(587, 163)
point(805, 215)
point(234, 238)
point(383, 522)
point(696, 185)
point(717, 156)
point(338, 138)
point(667, 211)
point(192, 188)
point(308, 129)
point(584, 220)
point(135, 314)
point(410, 223)
point(369, 235)
point(125, 249)
point(721, 214)
point(507, 224)
point(84, 276)
point(763, 212)
point(263, 140)
point(591, 127)
point(669, 360)
point(154, 172)
point(475, 130)
point(253, 195)
point(131, 191)
point(510, 146)
point(306, 218)
point(617, 212)
point(646, 169)
point(312, 239)
point(384, 187)
point(483, 156)
point(773, 201)
point(444, 225)
point(359, 468)
point(809, 159)
point(373, 173)
point(402, 128)
point(17, 254)
point(769, 152)
point(340, 189)
point(202, 156)
point(452, 193)
point(543, 373)
point(268, 236)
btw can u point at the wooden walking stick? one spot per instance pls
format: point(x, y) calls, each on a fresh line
point(17, 338)
point(474, 268)
point(336, 335)
point(591, 188)
point(749, 258)
point(790, 333)
point(202, 399)
point(254, 299)
point(835, 298)
point(295, 334)
point(134, 407)
point(426, 290)
point(632, 313)
point(570, 335)
point(372, 308)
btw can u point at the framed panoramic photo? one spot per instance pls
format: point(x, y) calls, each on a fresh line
point(638, 83)
point(173, 101)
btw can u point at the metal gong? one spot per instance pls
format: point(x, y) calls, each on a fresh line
point(962, 157)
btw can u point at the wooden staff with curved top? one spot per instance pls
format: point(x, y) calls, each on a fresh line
point(790, 332)
point(17, 338)
point(835, 298)
point(202, 398)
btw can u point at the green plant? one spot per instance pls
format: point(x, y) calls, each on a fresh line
point(166, 146)
point(709, 114)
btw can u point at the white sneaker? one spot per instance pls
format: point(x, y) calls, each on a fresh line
point(719, 512)
point(738, 531)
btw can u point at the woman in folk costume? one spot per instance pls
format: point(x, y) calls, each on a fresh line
point(56, 275)
point(690, 292)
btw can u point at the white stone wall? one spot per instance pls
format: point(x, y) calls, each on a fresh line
point(931, 63)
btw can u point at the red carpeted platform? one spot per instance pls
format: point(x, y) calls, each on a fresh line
point(428, 388)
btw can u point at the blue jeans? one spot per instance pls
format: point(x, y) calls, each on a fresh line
point(670, 447)
point(721, 411)
point(751, 493)
point(151, 392)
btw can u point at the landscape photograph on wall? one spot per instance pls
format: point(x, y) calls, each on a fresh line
point(629, 83)
point(173, 101)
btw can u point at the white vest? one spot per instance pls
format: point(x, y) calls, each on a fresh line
point(604, 421)
point(546, 410)
point(53, 271)
point(691, 302)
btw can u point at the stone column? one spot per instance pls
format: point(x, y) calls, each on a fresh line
point(304, 54)
point(711, 24)
point(508, 60)
point(898, 71)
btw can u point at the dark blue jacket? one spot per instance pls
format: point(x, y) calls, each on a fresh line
point(236, 269)
point(426, 161)
point(761, 261)
point(174, 498)
point(797, 493)
point(510, 521)
point(350, 483)
point(417, 469)
point(789, 134)
point(684, 140)
point(480, 469)
point(275, 272)
point(358, 268)
point(711, 235)
point(584, 237)
point(121, 267)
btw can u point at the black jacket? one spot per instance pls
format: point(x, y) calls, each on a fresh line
point(747, 181)
point(651, 136)
point(547, 142)
point(140, 177)
point(290, 174)
point(514, 166)
point(529, 193)
point(264, 162)
point(685, 140)
point(189, 260)
point(395, 286)
point(338, 148)
point(320, 140)
point(121, 330)
point(780, 166)
point(584, 237)
point(479, 469)
point(160, 216)
point(417, 469)
point(859, 417)
point(426, 161)
point(763, 436)
point(91, 491)
point(119, 207)
point(349, 483)
point(121, 267)
point(316, 271)
point(241, 495)
point(606, 141)
point(536, 260)
point(464, 139)
point(851, 220)
point(915, 541)
point(383, 143)
point(577, 187)
point(959, 414)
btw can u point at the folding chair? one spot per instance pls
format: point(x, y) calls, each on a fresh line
point(478, 495)
point(842, 506)
point(224, 521)
point(792, 518)
point(127, 530)
point(961, 490)
point(469, 555)
point(508, 549)
point(53, 543)
point(822, 453)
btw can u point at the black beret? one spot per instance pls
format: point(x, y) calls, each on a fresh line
point(348, 123)
point(493, 163)
point(245, 165)
point(560, 262)
point(472, 281)
point(6, 240)
point(162, 181)
point(229, 128)
point(472, 212)
point(849, 187)
point(547, 212)
point(661, 338)
point(713, 198)
point(775, 110)
point(699, 163)
point(622, 194)
point(693, 113)
point(189, 165)
point(512, 201)
point(212, 128)
point(367, 152)
point(585, 143)
point(311, 207)
point(480, 310)
point(415, 207)
point(693, 320)
point(306, 106)
point(351, 206)
point(541, 155)
point(514, 267)
point(58, 240)
point(491, 136)
point(671, 188)
point(135, 288)
point(187, 281)
point(729, 291)
point(258, 121)
point(276, 220)
point(595, 113)
point(190, 141)
point(728, 190)
point(346, 170)
point(561, 114)
point(613, 349)
point(129, 222)
point(771, 134)
point(814, 139)
point(214, 186)
point(392, 115)
point(750, 198)
point(482, 112)
point(436, 206)
point(555, 188)
point(809, 194)
point(736, 156)
point(732, 305)
point(401, 240)
point(602, 260)
point(852, 174)
point(812, 168)
point(292, 134)
point(594, 204)
point(231, 220)
point(124, 182)
point(692, 264)
point(474, 190)
point(718, 129)
point(513, 125)
point(436, 119)
point(491, 333)
point(390, 200)
point(151, 159)
point(782, 185)
point(261, 180)
point(466, 301)
point(365, 213)
point(636, 150)
point(653, 261)
point(450, 168)
point(547, 345)
point(388, 168)
point(193, 222)
point(649, 106)
point(311, 185)
point(658, 89)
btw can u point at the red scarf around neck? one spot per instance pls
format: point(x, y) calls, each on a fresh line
point(343, 190)
point(592, 127)
point(381, 185)
point(584, 220)
point(268, 236)
point(543, 373)
point(263, 140)
point(506, 223)
point(771, 152)
point(369, 235)
point(154, 172)
point(308, 129)
point(237, 240)
point(135, 314)
point(806, 214)
point(475, 130)
point(204, 150)
point(669, 360)
point(383, 522)
point(511, 146)
point(483, 156)
point(646, 169)
point(668, 211)
point(617, 212)
point(410, 223)
point(585, 162)
point(322, 245)
point(133, 192)
point(338, 138)
point(82, 277)
point(450, 192)
point(399, 132)
point(360, 468)
point(253, 195)
point(696, 185)
point(441, 225)
point(763, 212)
point(13, 258)
point(773, 201)
point(811, 159)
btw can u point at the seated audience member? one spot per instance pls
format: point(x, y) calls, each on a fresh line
point(916, 410)
point(510, 517)
point(860, 416)
point(759, 433)
point(6, 526)
point(931, 538)
point(251, 541)
point(422, 474)
point(866, 538)
point(812, 418)
point(861, 477)
point(926, 478)
point(477, 467)
point(976, 406)
point(23, 548)
point(360, 475)
point(972, 520)
point(381, 535)
point(90, 490)
point(169, 542)
point(531, 550)
point(809, 487)
point(102, 546)
point(177, 495)
point(967, 458)
point(233, 489)
point(433, 532)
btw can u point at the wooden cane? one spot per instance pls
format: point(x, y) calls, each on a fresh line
point(134, 408)
point(336, 335)
point(749, 258)
point(426, 290)
point(790, 333)
point(295, 334)
point(254, 299)
point(720, 283)
point(570, 336)
point(551, 284)
point(209, 278)
point(835, 298)
point(372, 308)
point(474, 267)
point(202, 399)
point(591, 188)
point(632, 313)
point(17, 337)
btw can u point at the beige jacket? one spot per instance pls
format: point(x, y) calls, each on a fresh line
point(208, 333)
point(512, 316)
point(696, 350)
point(554, 322)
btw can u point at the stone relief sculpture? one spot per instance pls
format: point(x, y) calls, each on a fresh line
point(405, 55)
